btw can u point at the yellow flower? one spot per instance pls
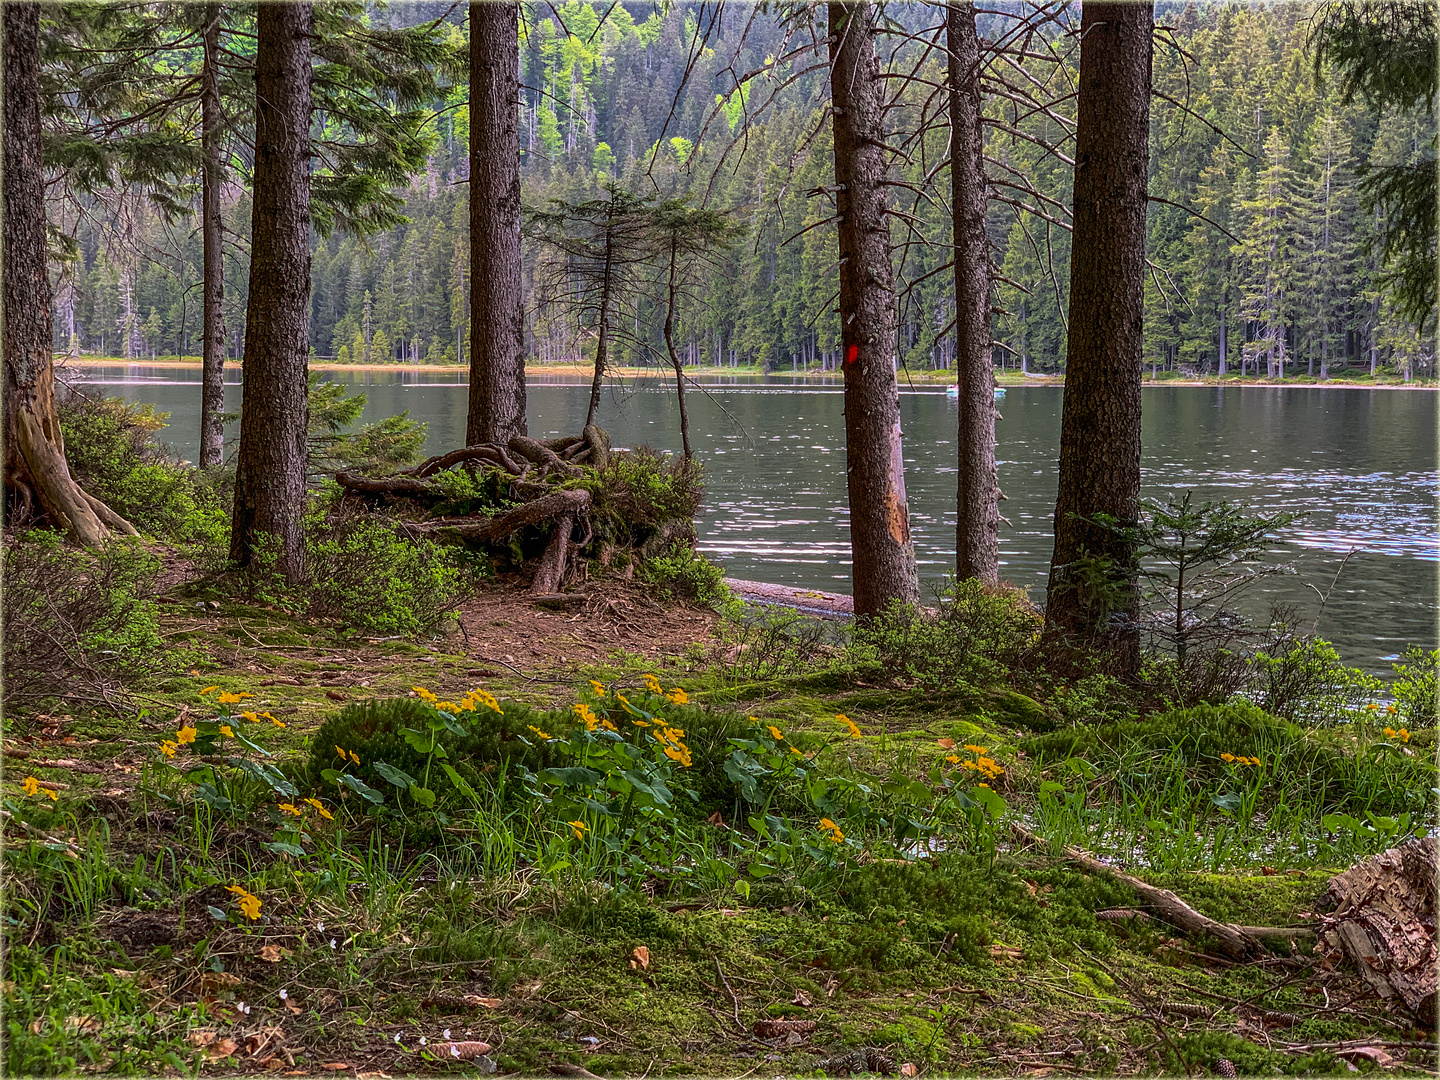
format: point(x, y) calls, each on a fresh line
point(834, 830)
point(226, 698)
point(952, 759)
point(423, 694)
point(1227, 757)
point(754, 720)
point(168, 748)
point(1373, 706)
point(186, 735)
point(679, 697)
point(277, 723)
point(652, 684)
point(1390, 710)
point(586, 716)
point(625, 703)
point(339, 752)
point(51, 793)
point(318, 805)
point(254, 718)
point(775, 733)
point(580, 828)
point(31, 785)
point(247, 901)
point(290, 808)
point(225, 729)
point(354, 757)
point(537, 731)
point(640, 723)
point(483, 697)
point(975, 749)
point(608, 726)
point(796, 751)
point(209, 690)
point(598, 687)
point(855, 732)
point(1404, 734)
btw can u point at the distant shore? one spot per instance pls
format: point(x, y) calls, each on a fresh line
point(928, 378)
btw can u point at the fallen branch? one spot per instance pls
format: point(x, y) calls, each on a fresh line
point(1236, 942)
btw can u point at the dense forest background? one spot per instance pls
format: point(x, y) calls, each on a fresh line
point(1260, 253)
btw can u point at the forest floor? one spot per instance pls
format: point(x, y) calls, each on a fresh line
point(941, 965)
point(1004, 377)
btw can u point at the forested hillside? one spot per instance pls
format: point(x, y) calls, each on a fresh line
point(1261, 256)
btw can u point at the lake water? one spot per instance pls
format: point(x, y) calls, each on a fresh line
point(1360, 465)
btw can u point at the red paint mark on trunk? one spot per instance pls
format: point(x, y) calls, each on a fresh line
point(852, 353)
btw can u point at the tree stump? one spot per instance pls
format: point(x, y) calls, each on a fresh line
point(1383, 918)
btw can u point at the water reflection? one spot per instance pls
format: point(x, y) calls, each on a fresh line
point(1357, 464)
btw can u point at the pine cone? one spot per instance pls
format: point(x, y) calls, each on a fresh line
point(1224, 1067)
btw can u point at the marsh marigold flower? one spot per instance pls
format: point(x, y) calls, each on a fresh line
point(226, 698)
point(678, 696)
point(31, 785)
point(537, 731)
point(320, 808)
point(855, 732)
point(186, 735)
point(598, 687)
point(775, 733)
point(247, 901)
point(579, 828)
point(168, 748)
point(290, 808)
point(225, 729)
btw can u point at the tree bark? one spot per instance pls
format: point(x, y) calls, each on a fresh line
point(671, 300)
point(602, 341)
point(1100, 419)
point(977, 522)
point(212, 360)
point(275, 415)
point(497, 335)
point(38, 484)
point(882, 550)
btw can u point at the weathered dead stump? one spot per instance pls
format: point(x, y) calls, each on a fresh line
point(1382, 917)
point(562, 485)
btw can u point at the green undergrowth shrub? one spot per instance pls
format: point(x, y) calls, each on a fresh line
point(495, 745)
point(1379, 776)
point(1302, 679)
point(360, 571)
point(365, 573)
point(639, 492)
point(1415, 688)
point(682, 572)
point(78, 624)
point(977, 636)
point(114, 455)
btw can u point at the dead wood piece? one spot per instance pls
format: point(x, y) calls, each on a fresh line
point(430, 466)
point(1234, 941)
point(1383, 919)
point(558, 601)
point(551, 570)
point(541, 454)
point(551, 507)
point(405, 487)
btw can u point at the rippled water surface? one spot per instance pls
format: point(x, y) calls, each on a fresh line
point(1359, 465)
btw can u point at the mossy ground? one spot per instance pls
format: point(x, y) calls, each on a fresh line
point(950, 964)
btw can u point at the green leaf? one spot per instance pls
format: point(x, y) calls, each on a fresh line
point(459, 782)
point(574, 776)
point(399, 777)
point(424, 796)
point(283, 847)
point(364, 790)
point(216, 913)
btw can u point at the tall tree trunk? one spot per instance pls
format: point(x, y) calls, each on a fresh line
point(38, 484)
point(212, 360)
point(602, 342)
point(275, 414)
point(497, 321)
point(882, 550)
point(1100, 420)
point(977, 522)
point(672, 298)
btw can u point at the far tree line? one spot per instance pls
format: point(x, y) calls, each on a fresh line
point(334, 132)
point(1288, 278)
